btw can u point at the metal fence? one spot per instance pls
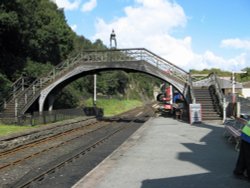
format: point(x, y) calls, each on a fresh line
point(52, 116)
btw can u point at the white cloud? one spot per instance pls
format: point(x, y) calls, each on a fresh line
point(67, 4)
point(89, 6)
point(236, 43)
point(209, 60)
point(73, 27)
point(149, 24)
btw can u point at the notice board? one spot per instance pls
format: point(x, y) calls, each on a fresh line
point(195, 113)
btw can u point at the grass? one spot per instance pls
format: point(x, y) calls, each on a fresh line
point(10, 129)
point(111, 107)
point(114, 106)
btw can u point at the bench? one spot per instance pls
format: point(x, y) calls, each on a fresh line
point(233, 129)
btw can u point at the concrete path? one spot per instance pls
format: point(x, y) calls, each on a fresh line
point(166, 153)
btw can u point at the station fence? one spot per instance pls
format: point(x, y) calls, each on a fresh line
point(46, 117)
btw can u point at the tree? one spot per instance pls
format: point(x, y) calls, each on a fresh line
point(244, 77)
point(34, 30)
point(10, 38)
point(5, 87)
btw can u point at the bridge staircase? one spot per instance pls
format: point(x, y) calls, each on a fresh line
point(204, 96)
point(22, 97)
point(207, 91)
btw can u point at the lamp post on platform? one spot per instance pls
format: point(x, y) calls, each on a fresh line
point(233, 84)
point(94, 100)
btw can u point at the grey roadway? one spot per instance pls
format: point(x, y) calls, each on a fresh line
point(166, 153)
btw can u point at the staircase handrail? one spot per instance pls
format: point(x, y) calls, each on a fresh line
point(15, 88)
point(165, 65)
point(193, 99)
point(218, 90)
point(37, 85)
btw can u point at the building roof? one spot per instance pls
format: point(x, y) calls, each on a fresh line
point(225, 83)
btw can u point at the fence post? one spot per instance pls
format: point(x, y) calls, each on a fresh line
point(31, 120)
point(16, 107)
point(224, 109)
point(44, 118)
point(54, 117)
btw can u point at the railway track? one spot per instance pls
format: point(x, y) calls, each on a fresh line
point(94, 135)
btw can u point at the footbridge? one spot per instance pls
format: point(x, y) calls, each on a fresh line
point(25, 94)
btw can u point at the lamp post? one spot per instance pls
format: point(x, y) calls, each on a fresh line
point(233, 88)
point(113, 38)
point(233, 83)
point(94, 100)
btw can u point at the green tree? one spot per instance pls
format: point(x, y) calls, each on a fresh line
point(244, 77)
point(35, 70)
point(34, 30)
point(11, 56)
point(5, 87)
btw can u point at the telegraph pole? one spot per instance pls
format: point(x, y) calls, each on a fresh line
point(233, 84)
point(94, 100)
point(113, 38)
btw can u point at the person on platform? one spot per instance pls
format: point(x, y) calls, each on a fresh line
point(242, 169)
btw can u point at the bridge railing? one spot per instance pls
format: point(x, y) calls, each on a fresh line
point(142, 54)
point(117, 55)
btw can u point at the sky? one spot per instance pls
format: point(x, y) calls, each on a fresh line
point(192, 34)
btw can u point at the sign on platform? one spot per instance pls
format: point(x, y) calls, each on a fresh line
point(195, 113)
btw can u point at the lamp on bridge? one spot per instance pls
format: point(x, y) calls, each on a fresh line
point(112, 38)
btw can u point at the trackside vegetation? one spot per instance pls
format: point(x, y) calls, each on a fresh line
point(114, 106)
point(111, 107)
point(11, 129)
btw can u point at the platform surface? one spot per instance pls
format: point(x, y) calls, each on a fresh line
point(167, 153)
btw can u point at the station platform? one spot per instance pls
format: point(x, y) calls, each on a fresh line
point(167, 153)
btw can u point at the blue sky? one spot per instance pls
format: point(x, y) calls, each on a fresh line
point(193, 34)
